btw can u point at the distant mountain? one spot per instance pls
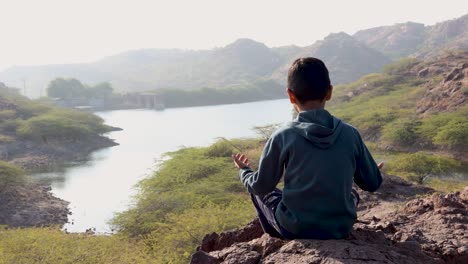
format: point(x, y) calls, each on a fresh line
point(452, 34)
point(247, 61)
point(243, 61)
point(414, 39)
point(395, 41)
point(346, 58)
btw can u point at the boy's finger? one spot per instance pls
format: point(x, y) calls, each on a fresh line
point(380, 165)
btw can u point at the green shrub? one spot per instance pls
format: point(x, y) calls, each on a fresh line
point(400, 67)
point(447, 185)
point(51, 245)
point(419, 166)
point(195, 191)
point(177, 239)
point(446, 129)
point(10, 175)
point(7, 114)
point(221, 148)
point(401, 132)
point(454, 134)
point(61, 124)
point(10, 125)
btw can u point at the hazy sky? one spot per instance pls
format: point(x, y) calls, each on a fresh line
point(68, 31)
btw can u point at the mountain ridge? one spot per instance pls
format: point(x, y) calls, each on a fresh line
point(246, 60)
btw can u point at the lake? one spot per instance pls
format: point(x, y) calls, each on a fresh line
point(105, 184)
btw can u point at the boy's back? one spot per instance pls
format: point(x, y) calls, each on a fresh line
point(319, 155)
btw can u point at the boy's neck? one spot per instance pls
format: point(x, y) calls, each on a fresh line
point(310, 105)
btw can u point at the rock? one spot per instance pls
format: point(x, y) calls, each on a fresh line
point(32, 205)
point(431, 229)
point(446, 95)
point(213, 241)
point(201, 257)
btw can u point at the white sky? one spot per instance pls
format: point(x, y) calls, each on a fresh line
point(69, 31)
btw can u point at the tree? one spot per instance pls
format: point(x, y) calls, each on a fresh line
point(101, 90)
point(66, 88)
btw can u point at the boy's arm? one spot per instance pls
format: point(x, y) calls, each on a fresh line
point(367, 175)
point(269, 172)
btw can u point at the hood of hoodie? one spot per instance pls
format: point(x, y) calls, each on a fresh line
point(318, 126)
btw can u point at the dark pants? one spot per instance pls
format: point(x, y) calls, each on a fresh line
point(266, 207)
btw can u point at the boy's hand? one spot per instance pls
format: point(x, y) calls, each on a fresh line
point(240, 161)
point(380, 165)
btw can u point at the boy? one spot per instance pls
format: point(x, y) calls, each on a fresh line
point(319, 156)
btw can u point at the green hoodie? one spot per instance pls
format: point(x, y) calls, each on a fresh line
point(318, 156)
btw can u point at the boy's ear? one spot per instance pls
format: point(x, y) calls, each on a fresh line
point(329, 93)
point(292, 97)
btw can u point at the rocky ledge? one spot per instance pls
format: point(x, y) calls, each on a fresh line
point(401, 223)
point(32, 205)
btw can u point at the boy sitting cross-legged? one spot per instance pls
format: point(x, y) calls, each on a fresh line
point(319, 156)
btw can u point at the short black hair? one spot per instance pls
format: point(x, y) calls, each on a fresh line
point(308, 79)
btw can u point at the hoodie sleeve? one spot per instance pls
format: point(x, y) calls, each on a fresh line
point(367, 175)
point(270, 170)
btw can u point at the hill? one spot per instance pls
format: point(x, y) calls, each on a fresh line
point(412, 105)
point(414, 39)
point(246, 61)
point(346, 58)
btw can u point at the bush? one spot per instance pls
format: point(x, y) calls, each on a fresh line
point(446, 129)
point(7, 114)
point(400, 67)
point(447, 185)
point(265, 132)
point(419, 166)
point(176, 240)
point(401, 132)
point(454, 135)
point(194, 192)
point(51, 245)
point(61, 124)
point(222, 148)
point(10, 175)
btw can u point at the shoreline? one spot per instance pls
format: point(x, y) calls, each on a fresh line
point(30, 205)
point(33, 204)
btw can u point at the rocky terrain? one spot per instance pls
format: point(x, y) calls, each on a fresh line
point(450, 93)
point(31, 156)
point(401, 223)
point(31, 205)
point(415, 39)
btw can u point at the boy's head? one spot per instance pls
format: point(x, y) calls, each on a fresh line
point(308, 80)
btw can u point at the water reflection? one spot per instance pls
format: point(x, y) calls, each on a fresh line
point(103, 185)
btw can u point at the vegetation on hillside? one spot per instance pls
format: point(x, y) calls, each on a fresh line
point(10, 176)
point(383, 107)
point(195, 192)
point(51, 245)
point(73, 89)
point(22, 118)
point(255, 91)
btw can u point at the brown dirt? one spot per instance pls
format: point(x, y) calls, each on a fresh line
point(401, 223)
